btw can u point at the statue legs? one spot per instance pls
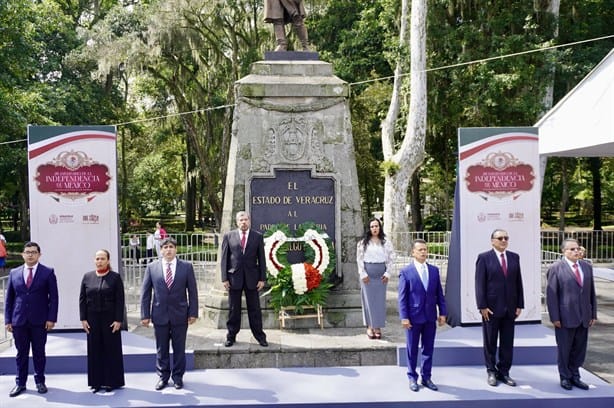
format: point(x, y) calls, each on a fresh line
point(301, 31)
point(280, 36)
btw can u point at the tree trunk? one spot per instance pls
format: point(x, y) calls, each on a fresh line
point(124, 212)
point(551, 7)
point(400, 165)
point(595, 163)
point(24, 206)
point(190, 186)
point(564, 194)
point(416, 204)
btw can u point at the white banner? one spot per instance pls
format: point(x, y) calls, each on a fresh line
point(73, 205)
point(499, 188)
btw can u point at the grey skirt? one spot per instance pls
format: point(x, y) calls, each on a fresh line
point(373, 296)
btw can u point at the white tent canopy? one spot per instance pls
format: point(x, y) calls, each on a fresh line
point(582, 123)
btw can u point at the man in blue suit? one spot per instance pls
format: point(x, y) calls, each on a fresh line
point(174, 307)
point(30, 311)
point(572, 306)
point(420, 296)
point(243, 270)
point(500, 299)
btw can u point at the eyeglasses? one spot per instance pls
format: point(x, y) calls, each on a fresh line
point(502, 238)
point(30, 252)
point(573, 249)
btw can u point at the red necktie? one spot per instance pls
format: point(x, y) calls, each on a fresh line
point(504, 265)
point(169, 275)
point(243, 239)
point(577, 273)
point(29, 279)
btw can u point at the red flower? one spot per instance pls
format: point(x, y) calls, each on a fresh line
point(312, 275)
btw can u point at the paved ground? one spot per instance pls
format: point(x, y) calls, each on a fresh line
point(600, 357)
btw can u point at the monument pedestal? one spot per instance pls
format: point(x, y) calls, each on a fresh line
point(292, 161)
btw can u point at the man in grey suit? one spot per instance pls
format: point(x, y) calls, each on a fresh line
point(174, 307)
point(243, 270)
point(572, 306)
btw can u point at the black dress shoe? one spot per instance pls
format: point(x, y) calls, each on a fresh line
point(108, 389)
point(41, 388)
point(506, 379)
point(229, 343)
point(565, 383)
point(18, 389)
point(95, 389)
point(492, 379)
point(430, 385)
point(178, 384)
point(263, 343)
point(413, 385)
point(578, 383)
point(161, 384)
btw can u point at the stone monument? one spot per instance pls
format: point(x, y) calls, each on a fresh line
point(291, 161)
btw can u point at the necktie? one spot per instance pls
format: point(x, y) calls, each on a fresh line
point(504, 265)
point(243, 239)
point(577, 273)
point(169, 275)
point(425, 277)
point(29, 279)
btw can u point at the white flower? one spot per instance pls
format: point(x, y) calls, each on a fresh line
point(320, 249)
point(271, 245)
point(298, 278)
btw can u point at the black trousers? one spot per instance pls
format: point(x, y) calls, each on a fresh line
point(498, 330)
point(165, 334)
point(254, 314)
point(35, 336)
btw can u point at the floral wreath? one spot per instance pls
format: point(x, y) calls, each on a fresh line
point(300, 284)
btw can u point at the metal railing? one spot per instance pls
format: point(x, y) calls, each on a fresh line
point(599, 244)
point(438, 242)
point(133, 272)
point(186, 243)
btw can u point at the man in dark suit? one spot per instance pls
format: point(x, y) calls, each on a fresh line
point(30, 311)
point(572, 306)
point(500, 299)
point(243, 270)
point(174, 307)
point(420, 296)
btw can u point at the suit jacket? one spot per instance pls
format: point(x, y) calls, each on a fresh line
point(240, 268)
point(36, 304)
point(493, 290)
point(417, 304)
point(170, 306)
point(571, 304)
point(104, 294)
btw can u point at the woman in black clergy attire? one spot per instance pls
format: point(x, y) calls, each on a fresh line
point(101, 310)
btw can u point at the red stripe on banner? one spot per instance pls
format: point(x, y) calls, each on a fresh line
point(481, 147)
point(37, 152)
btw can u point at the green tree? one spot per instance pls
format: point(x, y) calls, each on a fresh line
point(191, 52)
point(37, 86)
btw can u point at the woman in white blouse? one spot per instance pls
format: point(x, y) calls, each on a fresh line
point(374, 256)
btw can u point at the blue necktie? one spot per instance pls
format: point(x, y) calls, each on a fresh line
point(425, 277)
